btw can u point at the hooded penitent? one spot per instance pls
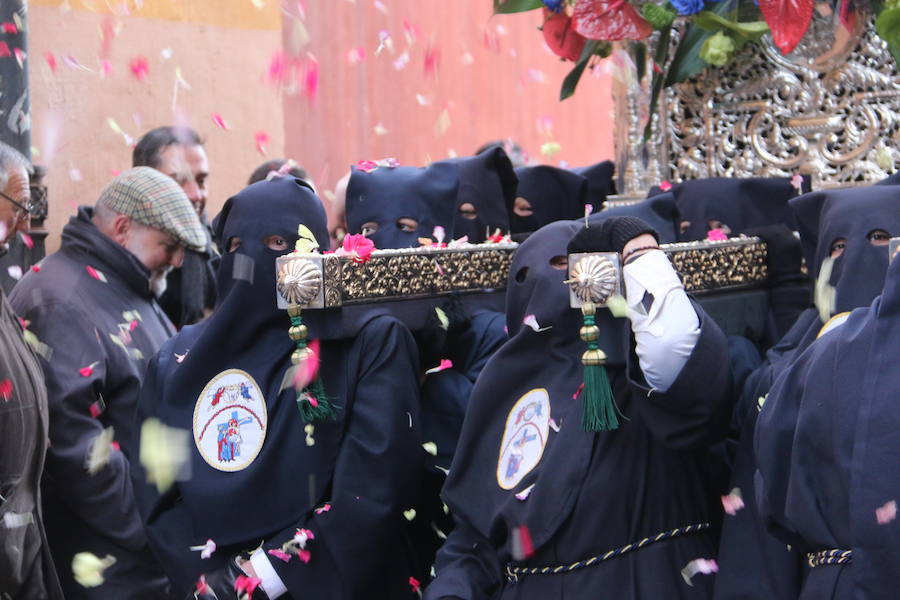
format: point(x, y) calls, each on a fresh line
point(386, 196)
point(552, 195)
point(600, 181)
point(659, 211)
point(827, 444)
point(854, 215)
point(488, 183)
point(749, 558)
point(535, 374)
point(526, 474)
point(257, 470)
point(738, 203)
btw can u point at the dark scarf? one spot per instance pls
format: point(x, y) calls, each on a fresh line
point(426, 194)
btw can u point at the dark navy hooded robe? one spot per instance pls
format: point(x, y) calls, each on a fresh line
point(588, 492)
point(350, 488)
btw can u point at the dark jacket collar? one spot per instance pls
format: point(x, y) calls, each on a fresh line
point(81, 237)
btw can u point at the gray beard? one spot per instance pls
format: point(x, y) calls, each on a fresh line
point(159, 282)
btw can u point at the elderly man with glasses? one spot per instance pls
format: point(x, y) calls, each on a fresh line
point(26, 568)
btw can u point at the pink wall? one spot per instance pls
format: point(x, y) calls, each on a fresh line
point(494, 78)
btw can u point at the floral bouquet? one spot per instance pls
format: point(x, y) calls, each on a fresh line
point(582, 31)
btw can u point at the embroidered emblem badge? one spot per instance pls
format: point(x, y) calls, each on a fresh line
point(524, 438)
point(833, 323)
point(230, 421)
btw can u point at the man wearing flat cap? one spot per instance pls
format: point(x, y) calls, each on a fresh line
point(92, 306)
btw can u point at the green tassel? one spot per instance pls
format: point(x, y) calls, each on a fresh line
point(321, 408)
point(599, 405)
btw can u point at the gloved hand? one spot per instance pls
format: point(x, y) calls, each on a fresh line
point(223, 585)
point(610, 235)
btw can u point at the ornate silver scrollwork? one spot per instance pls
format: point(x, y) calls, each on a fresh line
point(830, 109)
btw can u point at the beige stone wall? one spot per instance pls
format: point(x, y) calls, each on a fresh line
point(221, 47)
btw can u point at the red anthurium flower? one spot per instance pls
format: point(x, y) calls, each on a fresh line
point(788, 20)
point(561, 37)
point(609, 20)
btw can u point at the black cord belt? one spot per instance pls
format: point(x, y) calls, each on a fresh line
point(829, 557)
point(513, 572)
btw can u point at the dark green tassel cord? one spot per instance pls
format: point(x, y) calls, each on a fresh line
point(597, 397)
point(314, 404)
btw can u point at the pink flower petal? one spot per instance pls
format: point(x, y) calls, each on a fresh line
point(445, 364)
point(219, 121)
point(886, 513)
point(311, 77)
point(51, 61)
point(96, 409)
point(359, 246)
point(307, 370)
point(414, 584)
point(6, 389)
point(26, 239)
point(262, 141)
point(439, 233)
point(665, 186)
point(36, 268)
point(140, 68)
point(95, 273)
point(531, 321)
point(323, 509)
point(797, 182)
point(279, 554)
point(733, 502)
point(9, 27)
point(246, 584)
point(88, 370)
point(304, 555)
point(705, 566)
point(716, 235)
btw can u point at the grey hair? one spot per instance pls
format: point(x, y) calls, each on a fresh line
point(10, 158)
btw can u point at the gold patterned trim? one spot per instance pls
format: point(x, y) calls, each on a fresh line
point(411, 273)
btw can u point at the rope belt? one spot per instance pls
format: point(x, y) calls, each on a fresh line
point(829, 557)
point(513, 572)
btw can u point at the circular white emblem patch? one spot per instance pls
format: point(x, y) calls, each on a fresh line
point(833, 323)
point(524, 438)
point(230, 421)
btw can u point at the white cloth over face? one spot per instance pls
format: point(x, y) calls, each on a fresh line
point(666, 326)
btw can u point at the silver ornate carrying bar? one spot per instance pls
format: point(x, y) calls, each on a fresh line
point(333, 281)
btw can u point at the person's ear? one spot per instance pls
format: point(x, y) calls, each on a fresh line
point(121, 227)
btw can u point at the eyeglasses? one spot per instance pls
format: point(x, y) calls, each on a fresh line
point(29, 208)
